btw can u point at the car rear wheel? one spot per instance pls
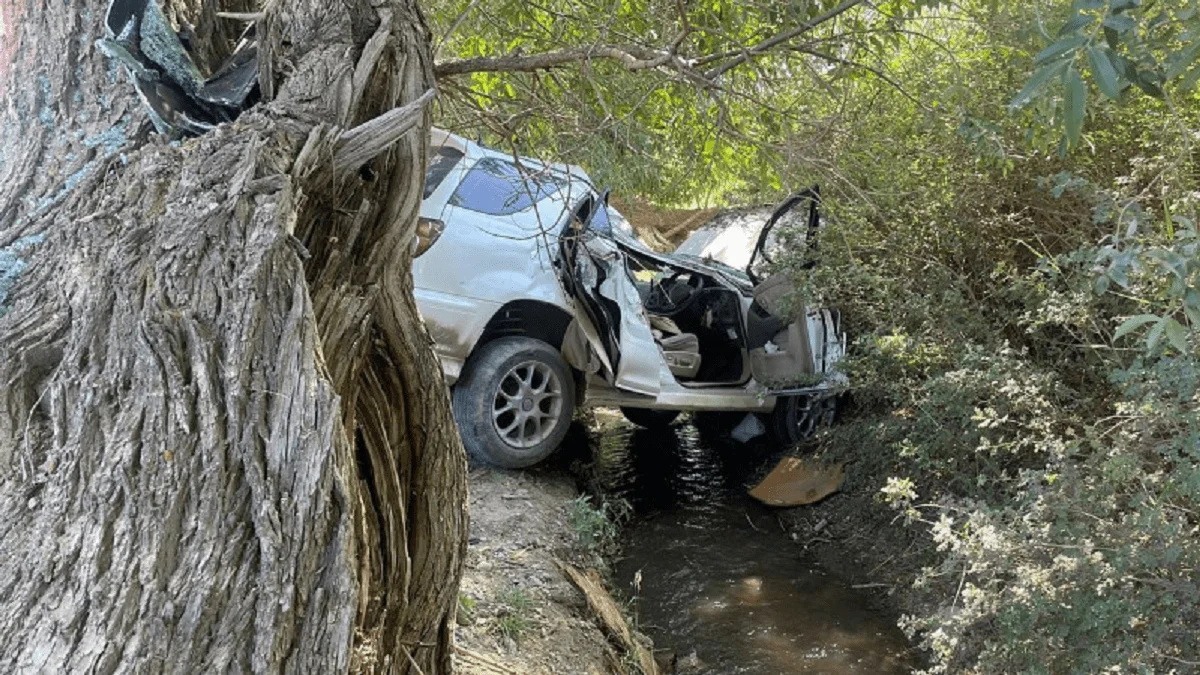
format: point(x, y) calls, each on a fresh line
point(650, 419)
point(514, 402)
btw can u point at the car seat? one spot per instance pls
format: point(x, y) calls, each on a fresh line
point(680, 350)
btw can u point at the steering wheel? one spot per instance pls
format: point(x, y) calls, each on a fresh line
point(665, 299)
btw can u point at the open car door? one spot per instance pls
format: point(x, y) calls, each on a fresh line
point(595, 275)
point(773, 238)
point(794, 347)
point(749, 239)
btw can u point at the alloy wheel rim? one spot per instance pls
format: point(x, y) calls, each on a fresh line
point(806, 420)
point(527, 405)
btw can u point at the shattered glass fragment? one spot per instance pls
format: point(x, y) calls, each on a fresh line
point(161, 45)
point(177, 97)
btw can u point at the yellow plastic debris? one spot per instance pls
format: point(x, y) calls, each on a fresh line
point(794, 482)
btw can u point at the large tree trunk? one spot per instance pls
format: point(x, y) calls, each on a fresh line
point(225, 443)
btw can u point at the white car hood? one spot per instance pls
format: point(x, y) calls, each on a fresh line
point(728, 238)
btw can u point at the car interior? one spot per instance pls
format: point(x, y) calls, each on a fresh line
point(696, 321)
point(699, 322)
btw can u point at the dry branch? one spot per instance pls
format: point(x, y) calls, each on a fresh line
point(609, 614)
point(635, 57)
point(631, 56)
point(736, 58)
point(355, 147)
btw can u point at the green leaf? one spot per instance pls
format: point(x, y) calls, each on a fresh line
point(1078, 21)
point(1036, 83)
point(1193, 315)
point(1125, 68)
point(1177, 335)
point(1183, 61)
point(1159, 19)
point(1104, 72)
point(1060, 48)
point(1133, 323)
point(1190, 81)
point(1075, 105)
point(1146, 80)
point(1119, 23)
point(1111, 37)
point(1155, 335)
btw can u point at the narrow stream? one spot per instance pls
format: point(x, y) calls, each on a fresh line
point(721, 584)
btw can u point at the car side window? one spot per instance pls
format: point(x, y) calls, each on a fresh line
point(500, 188)
point(440, 164)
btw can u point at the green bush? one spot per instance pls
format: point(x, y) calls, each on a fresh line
point(1025, 370)
point(516, 613)
point(1056, 464)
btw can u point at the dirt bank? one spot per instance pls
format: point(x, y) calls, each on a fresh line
point(517, 612)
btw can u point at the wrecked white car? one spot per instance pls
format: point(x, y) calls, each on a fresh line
point(540, 299)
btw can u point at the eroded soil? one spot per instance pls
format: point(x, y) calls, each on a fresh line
point(516, 608)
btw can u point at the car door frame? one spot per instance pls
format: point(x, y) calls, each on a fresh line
point(637, 363)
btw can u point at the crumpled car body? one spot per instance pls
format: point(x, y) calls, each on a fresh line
point(511, 246)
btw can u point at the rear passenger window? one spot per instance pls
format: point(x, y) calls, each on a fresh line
point(500, 188)
point(440, 162)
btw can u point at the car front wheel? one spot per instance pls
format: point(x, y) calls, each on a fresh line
point(796, 418)
point(513, 402)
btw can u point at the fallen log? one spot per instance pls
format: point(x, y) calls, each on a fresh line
point(610, 617)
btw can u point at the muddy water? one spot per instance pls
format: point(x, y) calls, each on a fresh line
point(722, 585)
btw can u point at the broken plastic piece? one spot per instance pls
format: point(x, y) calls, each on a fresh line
point(748, 429)
point(234, 83)
point(179, 100)
point(795, 482)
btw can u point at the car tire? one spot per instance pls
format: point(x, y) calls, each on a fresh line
point(796, 418)
point(650, 419)
point(513, 402)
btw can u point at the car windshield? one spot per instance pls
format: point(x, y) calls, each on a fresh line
point(499, 187)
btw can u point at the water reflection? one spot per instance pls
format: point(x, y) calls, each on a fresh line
point(719, 575)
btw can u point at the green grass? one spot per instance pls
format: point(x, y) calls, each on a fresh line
point(516, 613)
point(597, 529)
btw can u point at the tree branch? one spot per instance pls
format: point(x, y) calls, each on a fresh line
point(636, 58)
point(742, 55)
point(357, 146)
point(632, 57)
point(870, 69)
point(454, 26)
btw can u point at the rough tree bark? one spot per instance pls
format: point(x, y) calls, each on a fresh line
point(225, 443)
